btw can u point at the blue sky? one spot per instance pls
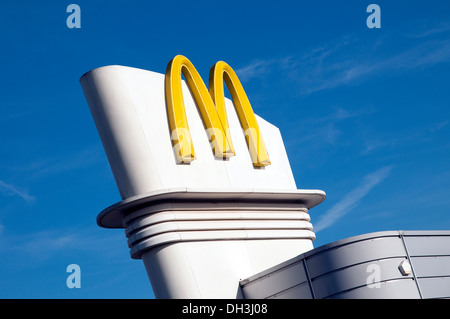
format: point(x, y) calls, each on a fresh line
point(365, 116)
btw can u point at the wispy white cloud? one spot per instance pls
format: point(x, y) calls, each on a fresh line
point(326, 128)
point(254, 69)
point(39, 167)
point(50, 241)
point(418, 135)
point(11, 190)
point(352, 199)
point(431, 31)
point(349, 67)
point(43, 244)
point(351, 60)
point(425, 54)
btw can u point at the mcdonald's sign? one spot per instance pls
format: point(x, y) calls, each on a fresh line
point(211, 104)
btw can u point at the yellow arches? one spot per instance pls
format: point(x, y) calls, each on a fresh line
point(211, 104)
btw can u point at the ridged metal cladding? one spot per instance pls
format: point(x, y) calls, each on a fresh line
point(149, 227)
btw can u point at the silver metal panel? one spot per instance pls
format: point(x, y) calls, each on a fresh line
point(435, 287)
point(354, 253)
point(395, 289)
point(302, 291)
point(431, 266)
point(428, 245)
point(275, 282)
point(371, 274)
point(340, 269)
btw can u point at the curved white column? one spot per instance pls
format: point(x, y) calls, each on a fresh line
point(203, 226)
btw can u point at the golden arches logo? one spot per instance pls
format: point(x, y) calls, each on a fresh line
point(211, 104)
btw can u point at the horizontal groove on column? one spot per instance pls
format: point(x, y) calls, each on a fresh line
point(174, 216)
point(185, 236)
